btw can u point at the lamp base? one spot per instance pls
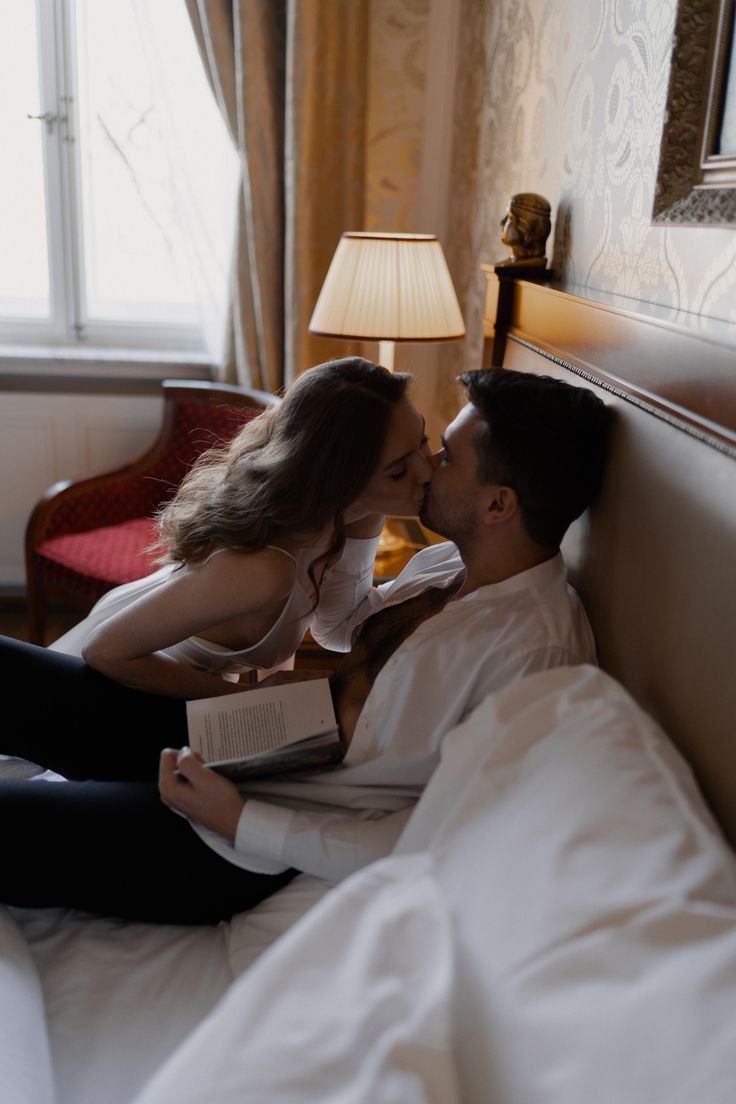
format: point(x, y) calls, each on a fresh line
point(393, 553)
point(389, 543)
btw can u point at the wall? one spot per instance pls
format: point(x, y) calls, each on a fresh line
point(472, 100)
point(567, 98)
point(396, 94)
point(47, 437)
point(413, 48)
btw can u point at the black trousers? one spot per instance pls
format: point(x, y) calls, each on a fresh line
point(102, 841)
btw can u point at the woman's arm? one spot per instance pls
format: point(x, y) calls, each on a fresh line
point(231, 585)
point(347, 592)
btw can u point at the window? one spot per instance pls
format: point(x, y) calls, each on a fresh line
point(117, 196)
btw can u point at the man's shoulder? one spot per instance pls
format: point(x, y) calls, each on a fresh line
point(536, 610)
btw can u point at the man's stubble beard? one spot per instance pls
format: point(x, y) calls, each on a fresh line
point(457, 524)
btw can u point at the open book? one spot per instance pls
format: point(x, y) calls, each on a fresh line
point(268, 730)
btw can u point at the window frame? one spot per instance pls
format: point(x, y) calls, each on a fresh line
point(67, 329)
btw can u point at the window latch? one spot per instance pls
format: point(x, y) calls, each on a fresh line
point(48, 119)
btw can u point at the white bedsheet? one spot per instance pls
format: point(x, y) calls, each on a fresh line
point(91, 1006)
point(119, 997)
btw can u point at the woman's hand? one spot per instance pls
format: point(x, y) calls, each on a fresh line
point(188, 787)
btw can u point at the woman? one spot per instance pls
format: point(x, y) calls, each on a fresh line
point(265, 538)
point(256, 539)
point(251, 532)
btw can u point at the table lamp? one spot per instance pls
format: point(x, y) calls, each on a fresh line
point(388, 288)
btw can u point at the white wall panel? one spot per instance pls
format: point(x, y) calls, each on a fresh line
point(44, 438)
point(110, 437)
point(27, 464)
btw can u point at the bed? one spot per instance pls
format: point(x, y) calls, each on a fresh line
point(558, 921)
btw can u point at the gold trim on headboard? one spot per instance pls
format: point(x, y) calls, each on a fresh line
point(676, 365)
point(658, 411)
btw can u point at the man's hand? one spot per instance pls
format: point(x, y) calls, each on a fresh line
point(188, 787)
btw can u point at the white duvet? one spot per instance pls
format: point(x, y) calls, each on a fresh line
point(558, 924)
point(105, 1002)
point(351, 1006)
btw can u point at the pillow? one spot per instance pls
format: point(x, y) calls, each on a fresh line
point(350, 1005)
point(592, 898)
point(25, 1059)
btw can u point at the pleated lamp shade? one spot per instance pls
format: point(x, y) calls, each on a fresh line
point(388, 287)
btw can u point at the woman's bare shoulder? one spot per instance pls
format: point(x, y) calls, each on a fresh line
point(267, 569)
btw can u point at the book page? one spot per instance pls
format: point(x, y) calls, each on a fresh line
point(236, 726)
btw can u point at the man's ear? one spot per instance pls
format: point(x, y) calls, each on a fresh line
point(502, 503)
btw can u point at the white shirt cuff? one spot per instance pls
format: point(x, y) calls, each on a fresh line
point(262, 830)
point(259, 838)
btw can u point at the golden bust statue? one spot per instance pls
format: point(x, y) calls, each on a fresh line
point(525, 228)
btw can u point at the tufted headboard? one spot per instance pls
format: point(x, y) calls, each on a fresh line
point(655, 560)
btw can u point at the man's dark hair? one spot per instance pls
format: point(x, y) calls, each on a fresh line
point(545, 439)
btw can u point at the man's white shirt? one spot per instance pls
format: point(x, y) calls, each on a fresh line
point(331, 823)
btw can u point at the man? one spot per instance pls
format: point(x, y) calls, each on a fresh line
point(522, 460)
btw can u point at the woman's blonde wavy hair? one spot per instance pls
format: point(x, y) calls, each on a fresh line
point(292, 470)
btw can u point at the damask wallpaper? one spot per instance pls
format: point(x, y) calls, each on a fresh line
point(394, 161)
point(396, 87)
point(562, 97)
point(567, 98)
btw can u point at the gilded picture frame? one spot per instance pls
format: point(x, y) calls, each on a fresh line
point(696, 176)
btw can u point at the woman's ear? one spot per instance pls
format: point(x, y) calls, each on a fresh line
point(502, 503)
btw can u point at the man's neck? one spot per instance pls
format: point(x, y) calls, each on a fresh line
point(484, 566)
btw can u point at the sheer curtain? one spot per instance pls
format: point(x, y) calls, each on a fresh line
point(290, 78)
point(204, 170)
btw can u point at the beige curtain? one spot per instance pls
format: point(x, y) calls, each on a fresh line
point(290, 77)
